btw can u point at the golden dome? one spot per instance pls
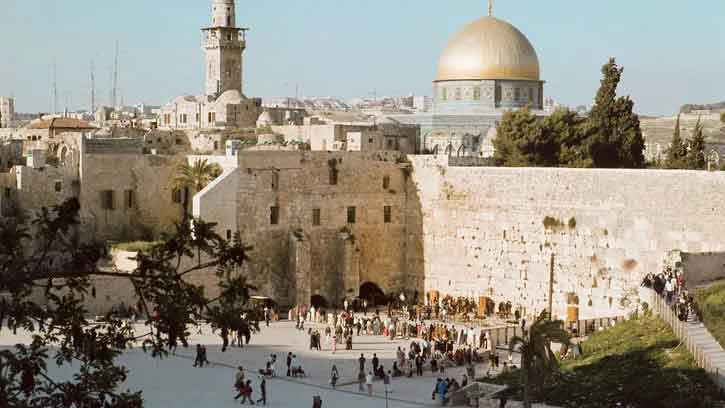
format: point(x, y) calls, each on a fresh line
point(489, 48)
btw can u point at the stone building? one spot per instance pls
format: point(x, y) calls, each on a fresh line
point(223, 104)
point(7, 111)
point(486, 69)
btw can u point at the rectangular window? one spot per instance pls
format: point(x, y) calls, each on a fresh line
point(387, 214)
point(351, 215)
point(212, 117)
point(517, 94)
point(316, 221)
point(274, 215)
point(229, 235)
point(198, 118)
point(58, 186)
point(275, 181)
point(183, 118)
point(333, 176)
point(107, 200)
point(129, 198)
point(386, 182)
point(176, 195)
point(7, 192)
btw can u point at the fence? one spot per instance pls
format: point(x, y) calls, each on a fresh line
point(706, 351)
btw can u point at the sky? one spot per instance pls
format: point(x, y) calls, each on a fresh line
point(673, 51)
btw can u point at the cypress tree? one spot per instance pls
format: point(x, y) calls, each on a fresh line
point(616, 137)
point(677, 151)
point(696, 154)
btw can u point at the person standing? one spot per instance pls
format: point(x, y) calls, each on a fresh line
point(263, 392)
point(266, 315)
point(198, 361)
point(289, 363)
point(247, 393)
point(369, 382)
point(334, 375)
point(376, 362)
point(361, 360)
point(334, 343)
point(361, 381)
point(239, 382)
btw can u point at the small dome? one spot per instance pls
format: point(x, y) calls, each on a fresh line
point(489, 48)
point(230, 97)
point(265, 119)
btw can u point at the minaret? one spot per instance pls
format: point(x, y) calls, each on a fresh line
point(224, 45)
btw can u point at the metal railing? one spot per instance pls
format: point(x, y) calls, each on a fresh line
point(700, 353)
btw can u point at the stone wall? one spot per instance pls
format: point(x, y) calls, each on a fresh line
point(298, 184)
point(149, 177)
point(492, 231)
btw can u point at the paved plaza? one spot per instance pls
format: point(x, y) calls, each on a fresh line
point(174, 382)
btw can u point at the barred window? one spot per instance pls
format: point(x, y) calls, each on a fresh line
point(107, 200)
point(351, 216)
point(387, 214)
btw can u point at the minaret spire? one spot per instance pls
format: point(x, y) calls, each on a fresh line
point(490, 8)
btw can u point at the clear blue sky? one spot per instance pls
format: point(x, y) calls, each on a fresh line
point(673, 51)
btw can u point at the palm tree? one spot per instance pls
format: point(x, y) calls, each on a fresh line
point(195, 176)
point(537, 359)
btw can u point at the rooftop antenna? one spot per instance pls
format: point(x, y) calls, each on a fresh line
point(93, 88)
point(490, 8)
point(114, 86)
point(55, 87)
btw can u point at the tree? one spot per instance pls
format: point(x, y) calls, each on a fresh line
point(616, 137)
point(197, 175)
point(46, 272)
point(695, 159)
point(521, 140)
point(722, 117)
point(677, 151)
point(537, 359)
point(569, 129)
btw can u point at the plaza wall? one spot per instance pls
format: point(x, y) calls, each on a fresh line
point(492, 231)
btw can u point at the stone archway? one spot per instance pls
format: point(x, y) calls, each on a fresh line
point(318, 301)
point(373, 294)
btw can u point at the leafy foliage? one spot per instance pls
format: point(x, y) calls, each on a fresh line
point(696, 154)
point(609, 137)
point(197, 175)
point(711, 303)
point(46, 273)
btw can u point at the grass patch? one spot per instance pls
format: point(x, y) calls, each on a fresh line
point(639, 363)
point(135, 246)
point(711, 301)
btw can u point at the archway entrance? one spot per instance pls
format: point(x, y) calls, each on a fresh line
point(318, 301)
point(373, 294)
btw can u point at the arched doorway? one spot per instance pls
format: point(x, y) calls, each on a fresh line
point(318, 301)
point(373, 294)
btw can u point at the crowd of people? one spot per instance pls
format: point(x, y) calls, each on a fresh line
point(671, 286)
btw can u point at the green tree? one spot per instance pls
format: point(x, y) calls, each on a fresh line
point(676, 153)
point(615, 139)
point(569, 129)
point(722, 117)
point(521, 140)
point(45, 278)
point(695, 159)
point(537, 359)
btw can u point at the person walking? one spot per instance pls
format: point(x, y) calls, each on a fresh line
point(263, 392)
point(198, 361)
point(361, 381)
point(361, 360)
point(247, 393)
point(239, 382)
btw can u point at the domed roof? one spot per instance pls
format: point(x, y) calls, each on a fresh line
point(489, 48)
point(265, 119)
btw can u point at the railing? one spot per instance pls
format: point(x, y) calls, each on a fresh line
point(703, 357)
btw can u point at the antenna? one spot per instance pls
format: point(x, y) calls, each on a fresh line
point(55, 87)
point(114, 86)
point(490, 8)
point(93, 89)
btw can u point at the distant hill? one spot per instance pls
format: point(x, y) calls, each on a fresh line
point(659, 130)
point(715, 107)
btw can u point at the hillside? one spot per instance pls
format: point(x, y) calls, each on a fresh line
point(659, 130)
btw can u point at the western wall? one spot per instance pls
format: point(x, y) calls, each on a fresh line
point(492, 231)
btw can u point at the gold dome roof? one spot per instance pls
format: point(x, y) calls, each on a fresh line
point(489, 48)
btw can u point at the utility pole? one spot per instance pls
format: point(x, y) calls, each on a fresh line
point(551, 286)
